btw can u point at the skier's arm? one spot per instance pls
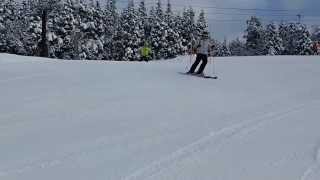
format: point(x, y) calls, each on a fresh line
point(199, 44)
point(211, 46)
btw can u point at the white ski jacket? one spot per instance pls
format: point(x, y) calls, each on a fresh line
point(203, 46)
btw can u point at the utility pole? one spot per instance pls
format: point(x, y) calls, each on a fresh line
point(43, 44)
point(299, 18)
point(44, 8)
point(77, 33)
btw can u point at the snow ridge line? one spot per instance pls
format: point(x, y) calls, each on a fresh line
point(213, 138)
point(314, 167)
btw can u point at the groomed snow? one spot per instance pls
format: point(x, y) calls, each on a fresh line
point(81, 120)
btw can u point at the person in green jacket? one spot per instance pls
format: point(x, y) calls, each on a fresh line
point(145, 52)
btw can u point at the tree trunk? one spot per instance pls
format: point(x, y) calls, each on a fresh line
point(43, 46)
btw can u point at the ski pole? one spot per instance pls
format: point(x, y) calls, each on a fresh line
point(190, 60)
point(187, 65)
point(191, 54)
point(213, 67)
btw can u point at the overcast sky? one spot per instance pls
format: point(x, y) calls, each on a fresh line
point(230, 23)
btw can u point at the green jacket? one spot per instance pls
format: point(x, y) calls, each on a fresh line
point(145, 51)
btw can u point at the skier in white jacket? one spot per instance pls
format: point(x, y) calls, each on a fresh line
point(203, 48)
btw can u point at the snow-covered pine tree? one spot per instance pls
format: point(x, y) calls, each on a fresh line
point(111, 19)
point(117, 48)
point(296, 39)
point(61, 26)
point(254, 36)
point(5, 19)
point(179, 28)
point(12, 27)
point(202, 25)
point(159, 10)
point(128, 35)
point(32, 30)
point(224, 49)
point(273, 41)
point(189, 29)
point(158, 31)
point(92, 30)
point(142, 10)
point(172, 36)
point(19, 26)
point(237, 48)
point(303, 40)
point(286, 32)
point(143, 21)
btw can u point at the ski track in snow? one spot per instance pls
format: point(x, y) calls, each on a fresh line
point(214, 138)
point(315, 167)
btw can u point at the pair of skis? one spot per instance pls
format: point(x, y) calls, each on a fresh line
point(199, 75)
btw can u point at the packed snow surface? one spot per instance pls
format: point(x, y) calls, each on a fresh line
point(90, 120)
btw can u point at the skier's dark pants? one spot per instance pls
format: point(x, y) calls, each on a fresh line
point(204, 59)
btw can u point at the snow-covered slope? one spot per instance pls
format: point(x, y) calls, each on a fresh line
point(81, 120)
